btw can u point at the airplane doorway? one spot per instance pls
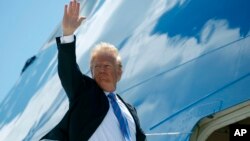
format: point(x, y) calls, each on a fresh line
point(217, 127)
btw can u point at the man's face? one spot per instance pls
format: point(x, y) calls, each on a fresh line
point(106, 72)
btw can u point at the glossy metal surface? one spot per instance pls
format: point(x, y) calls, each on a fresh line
point(183, 60)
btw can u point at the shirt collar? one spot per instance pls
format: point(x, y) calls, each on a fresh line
point(107, 93)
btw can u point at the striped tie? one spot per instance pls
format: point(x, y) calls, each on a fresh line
point(121, 118)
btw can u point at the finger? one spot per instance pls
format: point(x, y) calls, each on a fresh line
point(65, 10)
point(77, 9)
point(65, 15)
point(71, 9)
point(81, 19)
point(74, 6)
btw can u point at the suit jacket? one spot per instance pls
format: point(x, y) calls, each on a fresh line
point(88, 105)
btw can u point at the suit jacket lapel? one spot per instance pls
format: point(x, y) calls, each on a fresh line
point(140, 135)
point(132, 111)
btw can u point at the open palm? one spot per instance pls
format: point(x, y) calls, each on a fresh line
point(71, 18)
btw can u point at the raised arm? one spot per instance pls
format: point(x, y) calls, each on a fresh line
point(71, 19)
point(68, 70)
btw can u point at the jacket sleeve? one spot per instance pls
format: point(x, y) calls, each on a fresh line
point(59, 133)
point(69, 73)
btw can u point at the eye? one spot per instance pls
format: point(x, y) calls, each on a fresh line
point(107, 66)
point(97, 66)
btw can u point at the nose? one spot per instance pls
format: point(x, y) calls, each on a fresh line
point(102, 69)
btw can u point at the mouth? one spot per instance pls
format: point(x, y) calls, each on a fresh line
point(103, 78)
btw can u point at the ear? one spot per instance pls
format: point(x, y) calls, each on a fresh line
point(119, 73)
point(91, 70)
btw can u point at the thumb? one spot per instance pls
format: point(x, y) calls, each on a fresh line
point(81, 19)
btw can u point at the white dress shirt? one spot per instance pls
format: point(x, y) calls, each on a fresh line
point(109, 129)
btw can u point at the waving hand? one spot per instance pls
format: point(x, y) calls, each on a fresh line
point(71, 18)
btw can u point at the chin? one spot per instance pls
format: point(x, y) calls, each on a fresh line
point(107, 88)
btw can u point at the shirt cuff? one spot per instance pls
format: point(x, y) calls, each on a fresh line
point(67, 39)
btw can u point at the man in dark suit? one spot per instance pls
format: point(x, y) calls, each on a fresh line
point(95, 112)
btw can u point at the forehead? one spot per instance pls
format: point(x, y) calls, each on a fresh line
point(104, 58)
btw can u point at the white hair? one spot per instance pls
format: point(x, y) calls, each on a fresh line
point(105, 48)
